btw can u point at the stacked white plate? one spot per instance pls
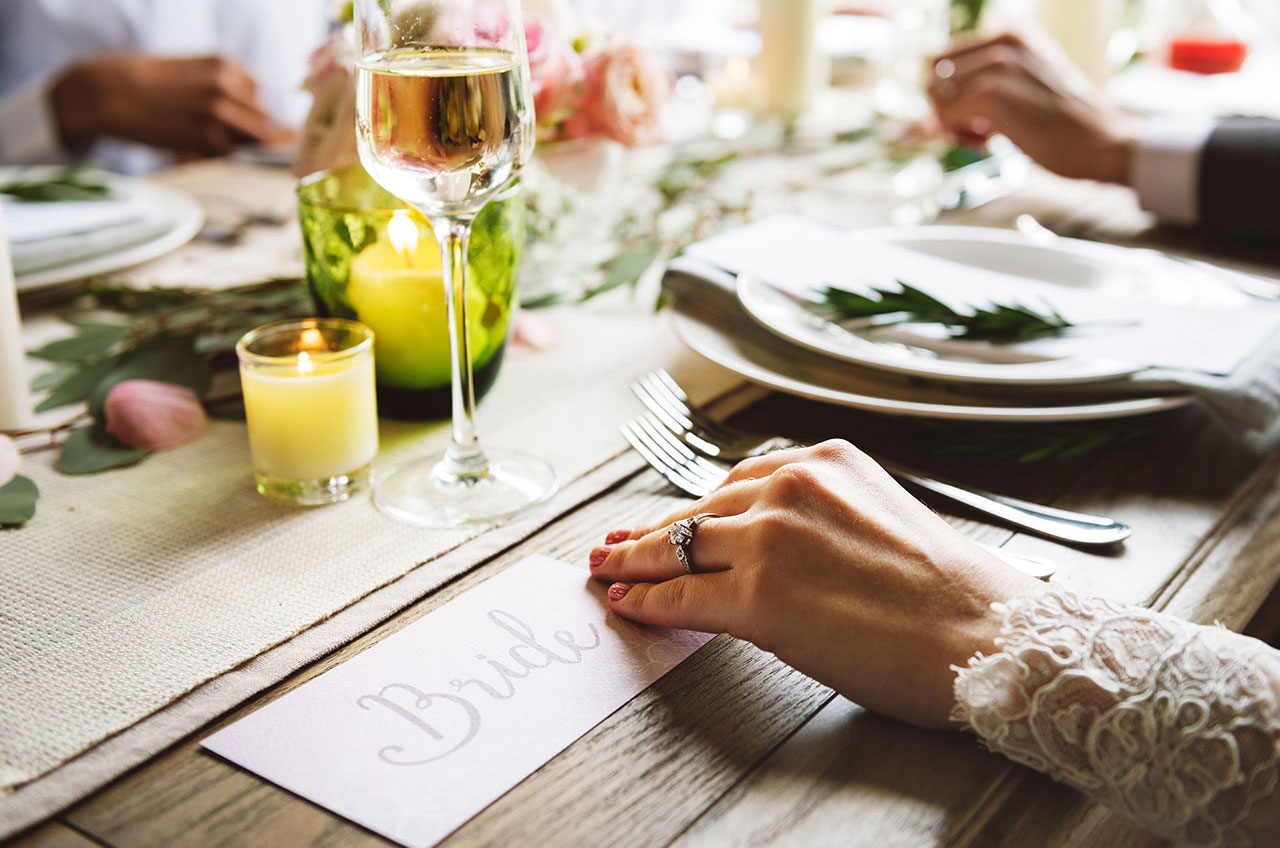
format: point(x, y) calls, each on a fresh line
point(55, 242)
point(1142, 317)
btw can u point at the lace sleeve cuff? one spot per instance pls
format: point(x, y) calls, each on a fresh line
point(1173, 724)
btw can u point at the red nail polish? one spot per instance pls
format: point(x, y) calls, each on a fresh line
point(618, 591)
point(599, 555)
point(617, 536)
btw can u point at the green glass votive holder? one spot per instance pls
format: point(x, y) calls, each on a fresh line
point(371, 259)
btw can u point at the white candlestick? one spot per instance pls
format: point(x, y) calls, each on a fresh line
point(1084, 29)
point(789, 59)
point(15, 399)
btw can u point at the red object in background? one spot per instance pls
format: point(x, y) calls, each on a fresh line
point(1207, 55)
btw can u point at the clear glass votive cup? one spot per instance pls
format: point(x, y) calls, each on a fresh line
point(311, 408)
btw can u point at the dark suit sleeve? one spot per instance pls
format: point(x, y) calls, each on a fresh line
point(1239, 182)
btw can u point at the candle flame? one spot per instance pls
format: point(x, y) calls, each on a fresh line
point(305, 366)
point(403, 234)
point(737, 68)
point(311, 339)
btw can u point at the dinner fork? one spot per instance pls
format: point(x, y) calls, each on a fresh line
point(697, 476)
point(695, 438)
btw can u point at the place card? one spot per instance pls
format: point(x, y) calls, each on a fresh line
point(424, 730)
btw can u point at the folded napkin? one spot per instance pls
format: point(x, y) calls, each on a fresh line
point(1198, 323)
point(43, 235)
point(1222, 346)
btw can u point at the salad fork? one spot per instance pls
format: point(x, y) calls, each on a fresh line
point(698, 477)
point(696, 438)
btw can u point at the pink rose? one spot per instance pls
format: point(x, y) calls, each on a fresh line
point(555, 71)
point(150, 415)
point(328, 136)
point(623, 90)
point(8, 459)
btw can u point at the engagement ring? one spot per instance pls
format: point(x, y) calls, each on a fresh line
point(681, 536)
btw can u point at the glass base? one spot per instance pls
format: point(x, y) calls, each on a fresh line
point(313, 492)
point(414, 493)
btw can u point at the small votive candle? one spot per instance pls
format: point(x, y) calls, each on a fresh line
point(311, 408)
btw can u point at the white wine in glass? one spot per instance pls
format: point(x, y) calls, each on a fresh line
point(445, 122)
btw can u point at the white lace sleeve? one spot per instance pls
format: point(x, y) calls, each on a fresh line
point(1175, 725)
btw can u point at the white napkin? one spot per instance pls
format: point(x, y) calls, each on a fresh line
point(1199, 324)
point(46, 234)
point(1226, 353)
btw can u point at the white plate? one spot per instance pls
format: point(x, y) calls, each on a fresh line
point(185, 217)
point(1071, 263)
point(781, 367)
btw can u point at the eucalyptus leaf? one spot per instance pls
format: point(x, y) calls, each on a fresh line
point(542, 301)
point(90, 341)
point(53, 377)
point(18, 501)
point(217, 342)
point(78, 385)
point(89, 450)
point(74, 183)
point(959, 156)
point(625, 268)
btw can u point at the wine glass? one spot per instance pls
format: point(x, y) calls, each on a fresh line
point(444, 119)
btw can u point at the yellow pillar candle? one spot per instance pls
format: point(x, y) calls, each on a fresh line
point(397, 289)
point(311, 408)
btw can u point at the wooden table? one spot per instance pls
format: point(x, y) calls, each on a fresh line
point(733, 747)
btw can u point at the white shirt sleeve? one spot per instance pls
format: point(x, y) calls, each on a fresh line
point(28, 132)
point(1166, 167)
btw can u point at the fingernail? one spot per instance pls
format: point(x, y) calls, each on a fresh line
point(617, 536)
point(618, 591)
point(599, 555)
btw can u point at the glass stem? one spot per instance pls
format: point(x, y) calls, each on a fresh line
point(464, 461)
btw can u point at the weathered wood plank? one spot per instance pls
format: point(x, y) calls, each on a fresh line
point(851, 777)
point(53, 834)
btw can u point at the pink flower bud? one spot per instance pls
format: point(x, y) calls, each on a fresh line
point(8, 459)
point(532, 332)
point(150, 415)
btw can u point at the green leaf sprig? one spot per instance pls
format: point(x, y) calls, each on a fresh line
point(965, 15)
point(65, 184)
point(996, 323)
point(18, 501)
point(686, 181)
point(178, 336)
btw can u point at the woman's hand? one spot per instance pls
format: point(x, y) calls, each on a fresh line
point(1033, 94)
point(204, 105)
point(821, 558)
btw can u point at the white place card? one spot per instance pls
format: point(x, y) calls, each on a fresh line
point(422, 731)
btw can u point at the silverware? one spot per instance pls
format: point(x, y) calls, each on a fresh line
point(697, 476)
point(680, 441)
